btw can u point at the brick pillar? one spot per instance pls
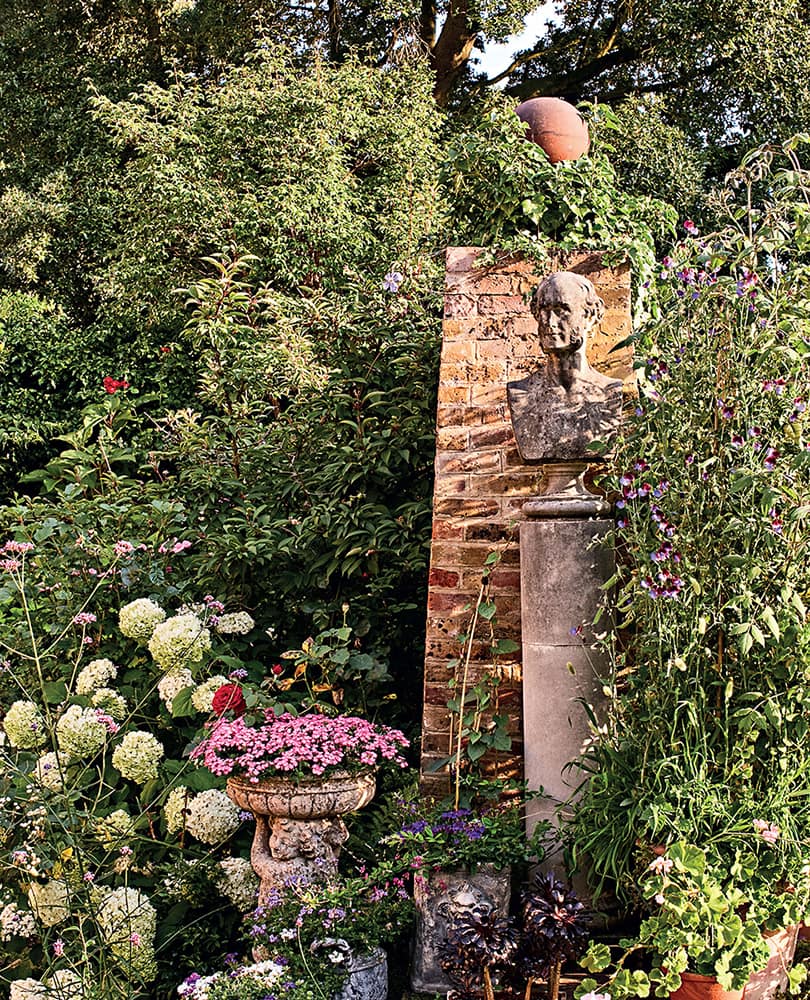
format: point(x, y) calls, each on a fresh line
point(490, 338)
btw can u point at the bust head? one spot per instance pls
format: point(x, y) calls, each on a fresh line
point(566, 308)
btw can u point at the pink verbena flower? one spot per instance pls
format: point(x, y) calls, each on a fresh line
point(297, 745)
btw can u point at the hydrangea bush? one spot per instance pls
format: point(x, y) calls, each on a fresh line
point(120, 859)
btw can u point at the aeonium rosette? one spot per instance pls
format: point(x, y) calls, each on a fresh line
point(297, 746)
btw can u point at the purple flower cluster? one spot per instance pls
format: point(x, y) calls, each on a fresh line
point(457, 825)
point(664, 584)
point(295, 745)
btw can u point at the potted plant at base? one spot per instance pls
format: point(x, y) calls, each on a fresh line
point(483, 948)
point(316, 941)
point(703, 939)
point(333, 932)
point(462, 860)
point(553, 928)
point(297, 775)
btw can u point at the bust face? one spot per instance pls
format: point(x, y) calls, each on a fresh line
point(565, 313)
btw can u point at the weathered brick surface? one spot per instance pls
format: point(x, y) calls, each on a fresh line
point(489, 339)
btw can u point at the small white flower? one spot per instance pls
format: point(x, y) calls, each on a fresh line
point(175, 808)
point(237, 623)
point(172, 683)
point(16, 922)
point(179, 641)
point(212, 817)
point(50, 902)
point(96, 674)
point(27, 989)
point(24, 725)
point(80, 733)
point(239, 883)
point(49, 770)
point(138, 619)
point(203, 697)
point(138, 755)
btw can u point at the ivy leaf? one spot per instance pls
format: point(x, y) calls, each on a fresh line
point(486, 610)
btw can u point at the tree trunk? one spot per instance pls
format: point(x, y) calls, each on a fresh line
point(452, 50)
point(335, 27)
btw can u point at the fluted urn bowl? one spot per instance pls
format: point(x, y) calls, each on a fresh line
point(316, 797)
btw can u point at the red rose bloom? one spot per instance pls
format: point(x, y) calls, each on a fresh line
point(229, 698)
point(112, 385)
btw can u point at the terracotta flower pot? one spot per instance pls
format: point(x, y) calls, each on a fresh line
point(556, 126)
point(695, 987)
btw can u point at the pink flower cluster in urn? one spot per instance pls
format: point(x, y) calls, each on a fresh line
point(298, 775)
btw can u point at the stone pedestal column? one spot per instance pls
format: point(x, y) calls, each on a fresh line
point(563, 568)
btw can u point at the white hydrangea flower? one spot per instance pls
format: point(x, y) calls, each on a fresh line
point(27, 989)
point(110, 702)
point(50, 901)
point(138, 755)
point(179, 641)
point(79, 732)
point(203, 697)
point(137, 620)
point(174, 809)
point(239, 883)
point(127, 922)
point(116, 827)
point(16, 922)
point(212, 817)
point(179, 7)
point(48, 772)
point(172, 683)
point(236, 623)
point(65, 984)
point(96, 674)
point(24, 725)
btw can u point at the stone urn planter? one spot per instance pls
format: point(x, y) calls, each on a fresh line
point(441, 896)
point(368, 977)
point(299, 830)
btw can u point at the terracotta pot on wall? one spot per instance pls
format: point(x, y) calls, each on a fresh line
point(556, 126)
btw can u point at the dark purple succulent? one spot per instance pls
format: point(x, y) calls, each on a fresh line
point(478, 940)
point(555, 927)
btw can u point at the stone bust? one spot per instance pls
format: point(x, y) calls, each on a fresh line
point(564, 405)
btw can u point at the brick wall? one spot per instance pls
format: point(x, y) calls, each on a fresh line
point(489, 339)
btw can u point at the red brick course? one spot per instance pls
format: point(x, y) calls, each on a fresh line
point(489, 339)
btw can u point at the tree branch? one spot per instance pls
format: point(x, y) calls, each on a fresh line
point(569, 83)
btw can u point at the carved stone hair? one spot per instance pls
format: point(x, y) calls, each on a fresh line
point(562, 282)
